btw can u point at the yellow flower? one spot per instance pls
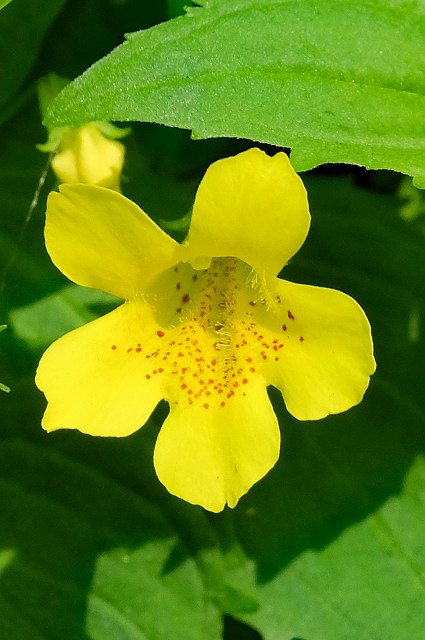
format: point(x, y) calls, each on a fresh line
point(207, 325)
point(86, 155)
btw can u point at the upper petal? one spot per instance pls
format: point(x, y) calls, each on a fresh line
point(252, 207)
point(211, 452)
point(100, 239)
point(96, 378)
point(326, 358)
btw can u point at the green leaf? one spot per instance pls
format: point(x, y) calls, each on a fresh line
point(336, 82)
point(22, 27)
point(3, 3)
point(350, 588)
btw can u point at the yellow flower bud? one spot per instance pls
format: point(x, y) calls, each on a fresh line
point(87, 156)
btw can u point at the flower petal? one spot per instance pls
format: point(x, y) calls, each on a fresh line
point(96, 378)
point(252, 207)
point(211, 455)
point(327, 355)
point(100, 239)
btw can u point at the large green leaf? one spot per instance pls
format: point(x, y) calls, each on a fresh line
point(368, 583)
point(335, 81)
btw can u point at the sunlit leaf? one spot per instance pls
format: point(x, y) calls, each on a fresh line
point(336, 82)
point(348, 588)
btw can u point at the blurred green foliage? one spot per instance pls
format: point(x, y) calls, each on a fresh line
point(329, 546)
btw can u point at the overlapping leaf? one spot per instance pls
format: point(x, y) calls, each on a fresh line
point(336, 82)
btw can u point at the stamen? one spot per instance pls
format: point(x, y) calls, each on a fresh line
point(221, 316)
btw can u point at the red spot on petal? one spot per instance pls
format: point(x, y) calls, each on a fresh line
point(114, 346)
point(284, 327)
point(301, 339)
point(138, 349)
point(147, 376)
point(291, 315)
point(245, 381)
point(178, 286)
point(252, 369)
point(206, 405)
point(184, 386)
point(160, 334)
point(251, 303)
point(185, 298)
point(130, 349)
point(222, 404)
point(213, 362)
